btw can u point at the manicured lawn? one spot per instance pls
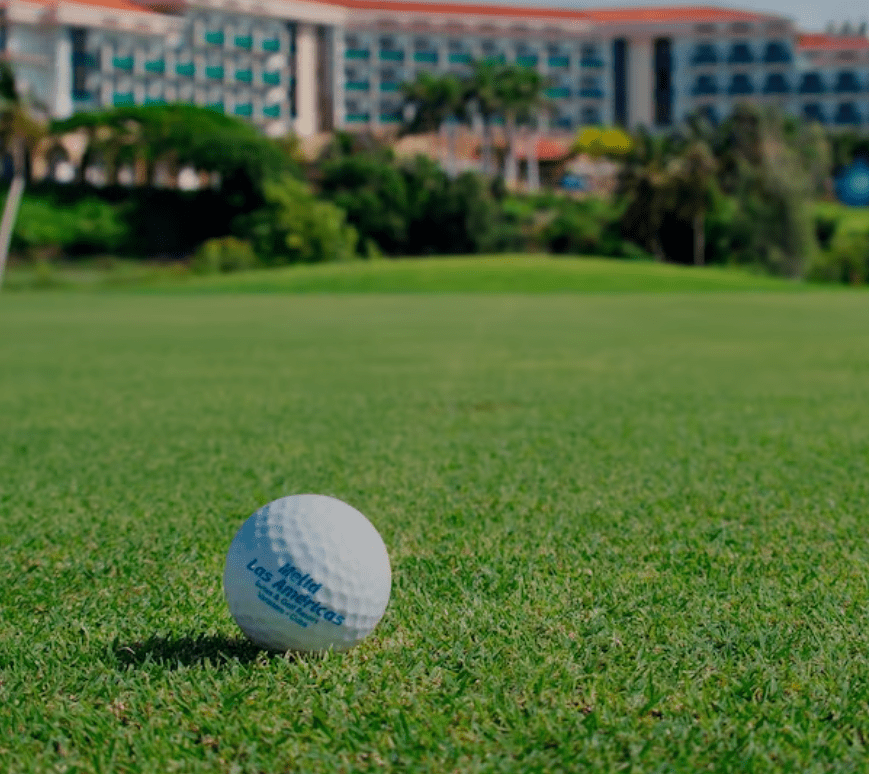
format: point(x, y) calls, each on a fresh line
point(628, 531)
point(495, 274)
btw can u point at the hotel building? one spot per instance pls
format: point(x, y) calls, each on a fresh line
point(315, 66)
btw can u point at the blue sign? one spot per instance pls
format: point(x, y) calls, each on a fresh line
point(852, 184)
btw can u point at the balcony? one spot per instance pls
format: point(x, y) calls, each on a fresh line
point(392, 55)
point(272, 111)
point(591, 93)
point(214, 38)
point(426, 57)
point(460, 57)
point(704, 54)
point(740, 54)
point(155, 66)
point(814, 112)
point(741, 85)
point(155, 101)
point(244, 41)
point(122, 98)
point(706, 86)
point(777, 53)
point(591, 62)
point(123, 63)
point(244, 109)
point(214, 73)
point(527, 60)
point(812, 83)
point(245, 76)
point(188, 69)
point(217, 107)
point(272, 78)
point(847, 115)
point(495, 59)
point(85, 59)
point(357, 86)
point(776, 83)
point(357, 118)
point(559, 61)
point(390, 118)
point(272, 44)
point(357, 53)
point(558, 92)
point(390, 86)
point(847, 83)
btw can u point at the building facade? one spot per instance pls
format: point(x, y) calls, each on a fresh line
point(313, 66)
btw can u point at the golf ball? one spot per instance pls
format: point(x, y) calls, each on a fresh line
point(307, 573)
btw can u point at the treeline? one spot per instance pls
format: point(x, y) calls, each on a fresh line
point(744, 192)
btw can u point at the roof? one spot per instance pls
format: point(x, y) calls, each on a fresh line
point(114, 5)
point(546, 149)
point(827, 42)
point(671, 14)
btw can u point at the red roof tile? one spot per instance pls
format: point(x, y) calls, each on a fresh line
point(832, 42)
point(603, 15)
point(114, 5)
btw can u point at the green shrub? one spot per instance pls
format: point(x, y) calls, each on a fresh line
point(846, 260)
point(223, 255)
point(85, 226)
point(296, 227)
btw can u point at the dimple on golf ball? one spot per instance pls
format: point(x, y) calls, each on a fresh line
point(307, 573)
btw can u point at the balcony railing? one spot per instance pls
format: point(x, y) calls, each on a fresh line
point(122, 98)
point(705, 87)
point(155, 101)
point(272, 111)
point(244, 109)
point(847, 83)
point(155, 66)
point(591, 93)
point(740, 54)
point(428, 57)
point(187, 69)
point(559, 61)
point(357, 86)
point(558, 92)
point(458, 57)
point(272, 78)
point(390, 85)
point(217, 107)
point(214, 38)
point(392, 55)
point(527, 60)
point(214, 73)
point(244, 41)
point(776, 84)
point(245, 76)
point(704, 55)
point(123, 62)
point(812, 84)
point(272, 44)
point(357, 118)
point(591, 61)
point(357, 53)
point(390, 118)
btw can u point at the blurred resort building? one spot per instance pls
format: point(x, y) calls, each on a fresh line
point(315, 66)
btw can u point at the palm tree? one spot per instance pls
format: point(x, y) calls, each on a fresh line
point(692, 175)
point(20, 131)
point(483, 99)
point(520, 93)
point(435, 103)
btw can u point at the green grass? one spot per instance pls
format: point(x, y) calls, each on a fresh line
point(628, 531)
point(497, 274)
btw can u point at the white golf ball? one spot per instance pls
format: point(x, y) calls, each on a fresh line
point(307, 573)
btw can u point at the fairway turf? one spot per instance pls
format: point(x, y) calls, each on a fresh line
point(628, 532)
point(491, 274)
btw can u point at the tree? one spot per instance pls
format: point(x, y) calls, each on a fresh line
point(435, 103)
point(692, 178)
point(20, 131)
point(483, 100)
point(519, 95)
